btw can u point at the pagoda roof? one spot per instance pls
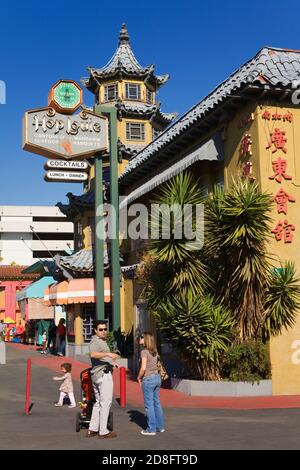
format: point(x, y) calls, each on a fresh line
point(82, 262)
point(271, 72)
point(138, 109)
point(123, 64)
point(129, 150)
point(78, 204)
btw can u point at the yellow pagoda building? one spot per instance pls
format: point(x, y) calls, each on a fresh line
point(132, 89)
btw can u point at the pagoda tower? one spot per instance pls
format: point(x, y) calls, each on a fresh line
point(132, 89)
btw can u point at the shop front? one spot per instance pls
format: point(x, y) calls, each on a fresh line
point(78, 298)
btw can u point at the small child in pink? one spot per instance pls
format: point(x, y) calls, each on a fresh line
point(66, 388)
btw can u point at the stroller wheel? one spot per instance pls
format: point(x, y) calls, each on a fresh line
point(78, 422)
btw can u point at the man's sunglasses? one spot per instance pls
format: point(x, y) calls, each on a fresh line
point(102, 329)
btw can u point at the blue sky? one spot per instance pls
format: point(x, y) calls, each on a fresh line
point(199, 43)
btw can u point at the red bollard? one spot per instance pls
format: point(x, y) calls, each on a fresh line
point(28, 378)
point(122, 387)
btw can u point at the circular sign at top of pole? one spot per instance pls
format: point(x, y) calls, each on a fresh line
point(65, 96)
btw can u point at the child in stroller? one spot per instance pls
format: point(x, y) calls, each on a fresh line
point(83, 418)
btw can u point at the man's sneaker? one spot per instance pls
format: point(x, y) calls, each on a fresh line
point(72, 406)
point(162, 430)
point(57, 404)
point(60, 354)
point(147, 433)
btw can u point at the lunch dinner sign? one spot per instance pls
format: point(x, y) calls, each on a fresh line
point(53, 134)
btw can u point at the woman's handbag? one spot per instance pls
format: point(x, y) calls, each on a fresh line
point(161, 369)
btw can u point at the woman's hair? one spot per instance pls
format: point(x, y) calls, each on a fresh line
point(67, 366)
point(150, 343)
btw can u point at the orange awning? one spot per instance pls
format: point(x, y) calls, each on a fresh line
point(75, 291)
point(57, 294)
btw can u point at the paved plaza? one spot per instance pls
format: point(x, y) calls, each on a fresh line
point(186, 428)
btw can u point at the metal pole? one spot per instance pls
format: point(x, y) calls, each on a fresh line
point(28, 379)
point(99, 238)
point(114, 201)
point(122, 387)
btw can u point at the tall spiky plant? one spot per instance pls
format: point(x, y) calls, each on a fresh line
point(236, 231)
point(282, 300)
point(172, 254)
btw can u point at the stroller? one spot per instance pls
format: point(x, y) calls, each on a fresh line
point(83, 418)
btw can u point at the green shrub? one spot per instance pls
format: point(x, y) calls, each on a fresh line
point(246, 362)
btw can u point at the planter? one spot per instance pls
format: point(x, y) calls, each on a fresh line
point(203, 388)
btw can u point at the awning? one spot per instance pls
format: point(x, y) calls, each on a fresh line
point(57, 293)
point(75, 291)
point(35, 290)
point(211, 150)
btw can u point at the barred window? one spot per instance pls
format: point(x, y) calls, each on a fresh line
point(89, 316)
point(133, 91)
point(149, 96)
point(135, 131)
point(111, 92)
point(155, 133)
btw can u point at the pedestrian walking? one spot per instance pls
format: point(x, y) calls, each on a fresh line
point(51, 344)
point(44, 342)
point(103, 362)
point(150, 380)
point(61, 330)
point(66, 388)
point(2, 330)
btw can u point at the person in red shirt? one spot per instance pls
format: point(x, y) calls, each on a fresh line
point(20, 331)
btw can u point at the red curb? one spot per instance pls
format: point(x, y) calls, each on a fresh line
point(169, 398)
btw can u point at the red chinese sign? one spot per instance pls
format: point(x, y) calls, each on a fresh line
point(277, 117)
point(278, 140)
point(245, 148)
point(279, 166)
point(282, 198)
point(243, 122)
point(284, 229)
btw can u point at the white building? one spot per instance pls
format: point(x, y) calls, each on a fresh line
point(44, 229)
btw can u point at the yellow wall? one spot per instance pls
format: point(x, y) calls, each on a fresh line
point(127, 308)
point(78, 325)
point(284, 348)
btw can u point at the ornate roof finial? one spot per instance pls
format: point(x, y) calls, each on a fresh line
point(123, 36)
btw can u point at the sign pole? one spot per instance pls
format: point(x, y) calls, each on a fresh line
point(114, 200)
point(99, 238)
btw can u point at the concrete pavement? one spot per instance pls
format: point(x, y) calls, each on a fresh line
point(186, 428)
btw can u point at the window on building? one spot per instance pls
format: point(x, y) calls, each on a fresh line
point(155, 133)
point(135, 131)
point(111, 92)
point(133, 91)
point(89, 316)
point(149, 96)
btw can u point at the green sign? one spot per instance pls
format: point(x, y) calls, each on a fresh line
point(67, 95)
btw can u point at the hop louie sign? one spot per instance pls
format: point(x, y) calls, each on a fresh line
point(55, 135)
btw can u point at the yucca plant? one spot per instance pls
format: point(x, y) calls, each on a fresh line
point(282, 300)
point(170, 249)
point(236, 231)
point(199, 330)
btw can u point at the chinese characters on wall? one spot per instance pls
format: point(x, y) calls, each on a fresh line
point(278, 144)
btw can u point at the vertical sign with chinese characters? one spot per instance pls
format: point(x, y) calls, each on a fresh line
point(278, 144)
